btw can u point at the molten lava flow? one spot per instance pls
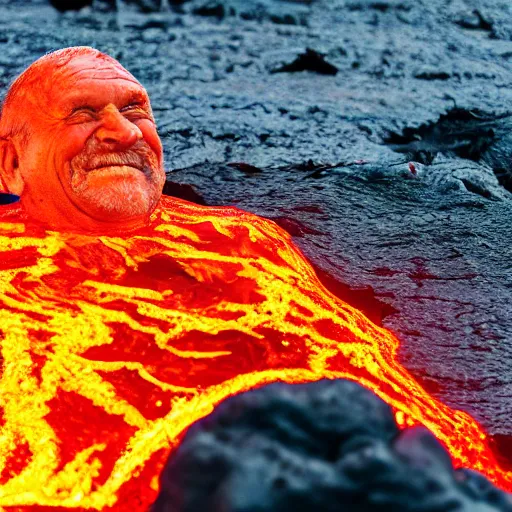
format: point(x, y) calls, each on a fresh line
point(114, 345)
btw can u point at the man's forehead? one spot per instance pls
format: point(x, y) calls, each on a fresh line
point(100, 89)
point(93, 65)
point(95, 85)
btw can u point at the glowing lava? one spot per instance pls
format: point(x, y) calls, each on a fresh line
point(114, 345)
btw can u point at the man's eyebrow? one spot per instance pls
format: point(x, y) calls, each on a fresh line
point(135, 98)
point(79, 101)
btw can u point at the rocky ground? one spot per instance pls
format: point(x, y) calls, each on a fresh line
point(376, 132)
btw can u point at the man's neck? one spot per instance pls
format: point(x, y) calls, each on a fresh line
point(77, 221)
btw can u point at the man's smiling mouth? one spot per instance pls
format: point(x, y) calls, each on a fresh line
point(114, 167)
point(80, 177)
point(113, 160)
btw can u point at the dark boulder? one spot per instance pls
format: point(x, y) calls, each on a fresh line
point(326, 446)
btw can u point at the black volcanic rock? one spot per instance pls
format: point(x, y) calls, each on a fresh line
point(144, 6)
point(482, 137)
point(70, 5)
point(183, 191)
point(283, 12)
point(310, 60)
point(321, 447)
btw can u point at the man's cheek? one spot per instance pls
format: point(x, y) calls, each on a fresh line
point(150, 135)
point(74, 139)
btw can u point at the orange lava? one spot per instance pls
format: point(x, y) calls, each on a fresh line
point(113, 345)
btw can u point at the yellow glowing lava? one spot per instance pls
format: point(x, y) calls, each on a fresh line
point(112, 346)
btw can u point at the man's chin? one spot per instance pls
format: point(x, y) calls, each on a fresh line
point(110, 207)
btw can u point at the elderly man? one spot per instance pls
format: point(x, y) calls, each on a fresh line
point(125, 316)
point(79, 144)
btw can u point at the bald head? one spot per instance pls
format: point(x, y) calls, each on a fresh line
point(77, 126)
point(44, 75)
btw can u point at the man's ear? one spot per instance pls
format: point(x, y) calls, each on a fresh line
point(10, 173)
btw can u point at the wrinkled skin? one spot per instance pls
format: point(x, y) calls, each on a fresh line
point(93, 160)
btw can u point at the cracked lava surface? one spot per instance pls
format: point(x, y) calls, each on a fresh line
point(114, 345)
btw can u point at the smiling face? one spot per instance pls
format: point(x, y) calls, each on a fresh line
point(93, 157)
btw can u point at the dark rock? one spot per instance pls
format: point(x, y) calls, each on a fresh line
point(70, 5)
point(247, 168)
point(311, 60)
point(183, 191)
point(295, 227)
point(465, 133)
point(419, 447)
point(144, 5)
point(504, 176)
point(474, 21)
point(282, 12)
point(323, 447)
point(432, 75)
point(213, 8)
point(304, 2)
point(381, 6)
point(474, 135)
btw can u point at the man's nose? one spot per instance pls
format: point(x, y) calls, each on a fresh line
point(117, 130)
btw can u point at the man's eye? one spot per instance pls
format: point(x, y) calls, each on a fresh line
point(83, 114)
point(134, 110)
